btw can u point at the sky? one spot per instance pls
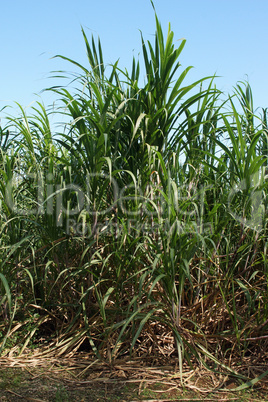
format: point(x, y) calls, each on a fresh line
point(224, 37)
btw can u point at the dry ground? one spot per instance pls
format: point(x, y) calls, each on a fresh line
point(79, 379)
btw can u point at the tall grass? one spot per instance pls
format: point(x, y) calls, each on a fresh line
point(145, 216)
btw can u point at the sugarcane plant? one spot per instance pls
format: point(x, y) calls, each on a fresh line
point(147, 212)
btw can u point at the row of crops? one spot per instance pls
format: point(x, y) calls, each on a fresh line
point(141, 219)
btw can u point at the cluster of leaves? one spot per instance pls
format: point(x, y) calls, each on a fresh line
point(148, 210)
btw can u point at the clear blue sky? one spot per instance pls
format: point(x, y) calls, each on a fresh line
point(226, 37)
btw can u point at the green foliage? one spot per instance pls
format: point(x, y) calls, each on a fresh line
point(149, 208)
